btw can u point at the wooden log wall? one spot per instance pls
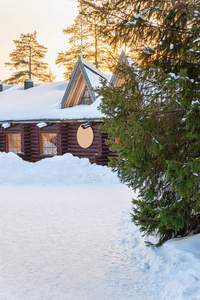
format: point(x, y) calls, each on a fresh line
point(35, 145)
point(26, 142)
point(97, 153)
point(64, 138)
point(2, 140)
point(35, 140)
point(102, 157)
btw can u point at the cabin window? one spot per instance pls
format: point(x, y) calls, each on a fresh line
point(86, 99)
point(48, 143)
point(14, 142)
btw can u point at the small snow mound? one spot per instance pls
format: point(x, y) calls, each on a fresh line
point(189, 243)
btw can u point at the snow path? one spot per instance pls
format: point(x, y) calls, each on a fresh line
point(71, 243)
point(66, 234)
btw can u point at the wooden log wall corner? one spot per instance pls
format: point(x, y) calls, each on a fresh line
point(2, 140)
point(26, 142)
point(35, 146)
point(64, 138)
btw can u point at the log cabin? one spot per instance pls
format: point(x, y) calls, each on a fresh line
point(42, 120)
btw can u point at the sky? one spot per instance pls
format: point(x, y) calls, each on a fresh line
point(47, 17)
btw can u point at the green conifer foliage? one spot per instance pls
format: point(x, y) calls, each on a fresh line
point(155, 113)
point(156, 32)
point(26, 59)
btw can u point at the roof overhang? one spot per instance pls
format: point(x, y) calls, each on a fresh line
point(49, 121)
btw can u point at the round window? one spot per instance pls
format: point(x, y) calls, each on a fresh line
point(85, 137)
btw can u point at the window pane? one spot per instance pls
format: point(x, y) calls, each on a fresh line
point(14, 142)
point(48, 143)
point(86, 99)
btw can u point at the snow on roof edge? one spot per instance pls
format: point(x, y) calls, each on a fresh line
point(95, 70)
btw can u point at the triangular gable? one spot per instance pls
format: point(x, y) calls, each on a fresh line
point(79, 90)
point(115, 79)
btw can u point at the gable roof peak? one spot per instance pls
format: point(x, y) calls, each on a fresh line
point(123, 59)
point(83, 76)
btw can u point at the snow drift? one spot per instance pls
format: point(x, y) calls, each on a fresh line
point(57, 170)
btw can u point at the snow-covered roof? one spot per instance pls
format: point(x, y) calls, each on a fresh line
point(7, 86)
point(95, 80)
point(42, 102)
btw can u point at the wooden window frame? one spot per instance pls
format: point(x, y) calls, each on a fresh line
point(51, 149)
point(18, 147)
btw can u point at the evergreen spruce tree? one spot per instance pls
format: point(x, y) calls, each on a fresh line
point(27, 60)
point(155, 113)
point(95, 50)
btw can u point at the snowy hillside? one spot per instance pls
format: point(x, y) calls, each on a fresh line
point(66, 234)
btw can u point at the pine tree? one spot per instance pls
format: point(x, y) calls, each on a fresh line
point(155, 113)
point(95, 50)
point(27, 60)
point(155, 31)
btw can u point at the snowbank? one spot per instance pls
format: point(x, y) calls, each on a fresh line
point(57, 170)
point(176, 268)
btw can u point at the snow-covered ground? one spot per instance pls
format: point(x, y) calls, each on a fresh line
point(66, 234)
